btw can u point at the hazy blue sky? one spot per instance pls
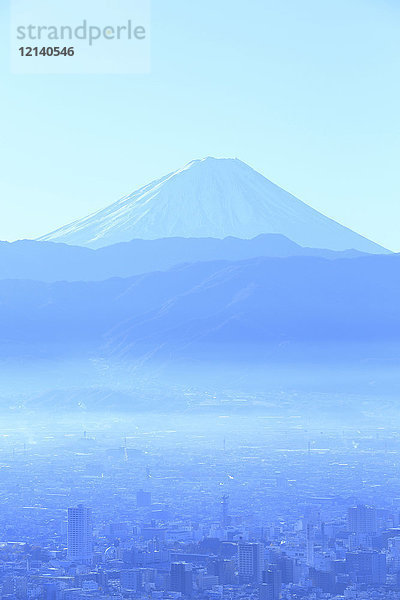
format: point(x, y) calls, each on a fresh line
point(307, 92)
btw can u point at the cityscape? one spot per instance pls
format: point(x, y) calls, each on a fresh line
point(199, 300)
point(267, 512)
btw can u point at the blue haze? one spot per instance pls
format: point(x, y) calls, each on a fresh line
point(206, 418)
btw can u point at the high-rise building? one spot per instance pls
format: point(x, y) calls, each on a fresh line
point(224, 568)
point(250, 560)
point(310, 544)
point(181, 578)
point(80, 534)
point(362, 519)
point(271, 586)
point(131, 579)
point(50, 591)
point(143, 498)
point(225, 518)
point(286, 566)
point(366, 567)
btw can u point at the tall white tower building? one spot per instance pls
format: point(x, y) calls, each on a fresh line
point(250, 562)
point(80, 534)
point(310, 545)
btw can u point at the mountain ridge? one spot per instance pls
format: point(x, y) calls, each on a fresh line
point(221, 303)
point(49, 261)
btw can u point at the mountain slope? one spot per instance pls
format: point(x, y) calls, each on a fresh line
point(254, 303)
point(273, 301)
point(210, 198)
point(48, 261)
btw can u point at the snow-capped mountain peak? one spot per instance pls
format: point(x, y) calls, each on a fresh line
point(210, 197)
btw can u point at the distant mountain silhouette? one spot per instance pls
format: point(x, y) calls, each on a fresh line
point(218, 303)
point(48, 261)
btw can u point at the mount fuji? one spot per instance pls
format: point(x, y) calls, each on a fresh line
point(213, 198)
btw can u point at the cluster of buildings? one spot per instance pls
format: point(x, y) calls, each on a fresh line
point(200, 518)
point(357, 557)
